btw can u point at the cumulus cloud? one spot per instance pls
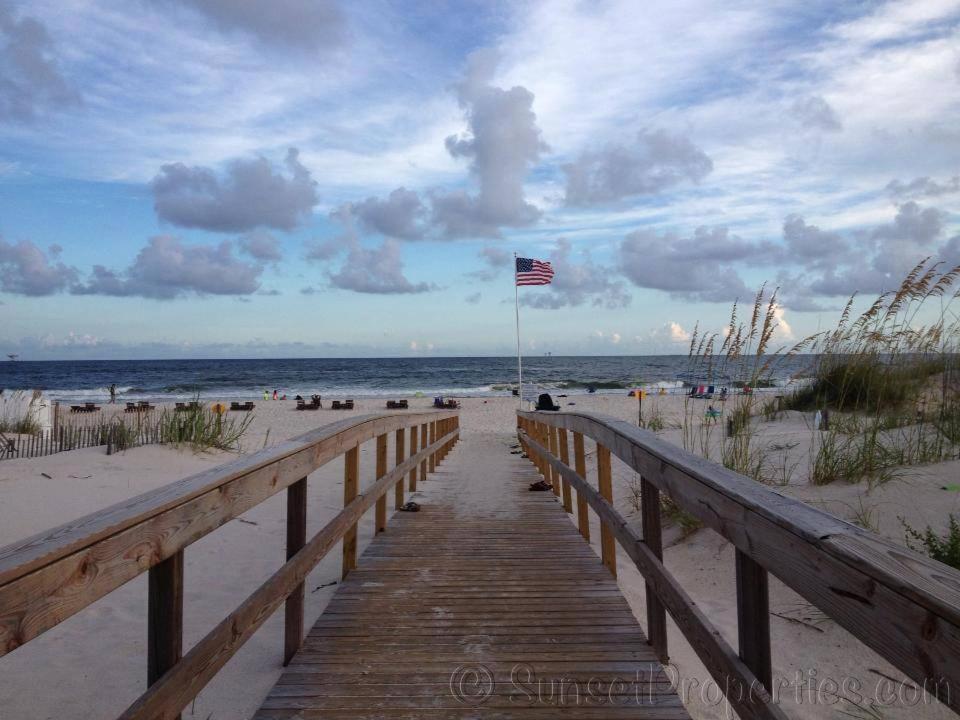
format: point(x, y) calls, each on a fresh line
point(815, 113)
point(167, 268)
point(923, 187)
point(576, 283)
point(655, 161)
point(401, 215)
point(376, 270)
point(25, 269)
point(811, 246)
point(251, 194)
point(261, 246)
point(503, 143)
point(696, 268)
point(30, 81)
point(308, 25)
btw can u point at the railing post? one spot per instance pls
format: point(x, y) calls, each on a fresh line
point(398, 488)
point(351, 481)
point(580, 460)
point(608, 550)
point(164, 616)
point(653, 537)
point(432, 460)
point(565, 459)
point(552, 445)
point(423, 463)
point(414, 448)
point(381, 511)
point(296, 539)
point(753, 618)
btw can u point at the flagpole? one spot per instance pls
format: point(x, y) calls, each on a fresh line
point(516, 296)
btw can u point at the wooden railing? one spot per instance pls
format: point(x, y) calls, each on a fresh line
point(901, 604)
point(52, 576)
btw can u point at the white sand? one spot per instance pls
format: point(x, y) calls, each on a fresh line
point(93, 665)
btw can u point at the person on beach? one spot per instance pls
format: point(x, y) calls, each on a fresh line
point(274, 394)
point(266, 395)
point(113, 393)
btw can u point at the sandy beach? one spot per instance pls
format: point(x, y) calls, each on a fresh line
point(108, 639)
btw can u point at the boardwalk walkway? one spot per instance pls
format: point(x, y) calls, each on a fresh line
point(487, 603)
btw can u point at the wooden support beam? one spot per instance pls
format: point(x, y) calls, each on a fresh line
point(432, 462)
point(608, 548)
point(565, 459)
point(296, 539)
point(351, 484)
point(400, 449)
point(554, 475)
point(580, 460)
point(164, 616)
point(753, 618)
point(381, 511)
point(653, 537)
point(423, 463)
point(414, 447)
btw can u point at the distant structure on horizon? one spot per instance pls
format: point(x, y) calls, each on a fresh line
point(12, 356)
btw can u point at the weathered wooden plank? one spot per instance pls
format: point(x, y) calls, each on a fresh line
point(351, 485)
point(380, 522)
point(164, 616)
point(653, 537)
point(608, 547)
point(580, 459)
point(753, 618)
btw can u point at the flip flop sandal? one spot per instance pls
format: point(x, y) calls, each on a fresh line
point(410, 507)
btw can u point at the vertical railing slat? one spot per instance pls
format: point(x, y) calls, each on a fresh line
point(380, 523)
point(164, 616)
point(351, 482)
point(580, 461)
point(608, 549)
point(400, 449)
point(296, 539)
point(653, 537)
point(753, 618)
point(565, 459)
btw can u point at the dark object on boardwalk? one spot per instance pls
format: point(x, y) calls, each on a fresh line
point(314, 403)
point(545, 402)
point(85, 408)
point(345, 405)
point(410, 506)
point(540, 486)
point(397, 405)
point(242, 407)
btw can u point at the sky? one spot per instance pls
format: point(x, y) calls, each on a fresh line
point(316, 178)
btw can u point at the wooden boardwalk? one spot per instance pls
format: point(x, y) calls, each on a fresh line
point(485, 604)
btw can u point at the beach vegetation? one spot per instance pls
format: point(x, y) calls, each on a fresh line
point(942, 548)
point(202, 428)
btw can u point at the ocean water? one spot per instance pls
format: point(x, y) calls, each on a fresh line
point(361, 377)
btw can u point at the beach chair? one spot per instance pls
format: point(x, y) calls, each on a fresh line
point(438, 403)
point(248, 405)
point(709, 394)
point(335, 405)
point(91, 407)
point(301, 405)
point(144, 406)
point(179, 407)
point(392, 405)
point(131, 407)
point(451, 404)
point(236, 406)
point(403, 405)
point(348, 404)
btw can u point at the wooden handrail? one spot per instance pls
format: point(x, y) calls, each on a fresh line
point(903, 605)
point(49, 577)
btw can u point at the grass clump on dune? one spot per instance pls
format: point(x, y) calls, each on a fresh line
point(201, 428)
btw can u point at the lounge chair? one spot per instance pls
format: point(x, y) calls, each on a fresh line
point(438, 403)
point(403, 405)
point(451, 404)
point(545, 402)
point(248, 405)
point(301, 405)
point(91, 407)
point(335, 405)
point(180, 407)
point(236, 406)
point(132, 407)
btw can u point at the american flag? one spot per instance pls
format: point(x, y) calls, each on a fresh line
point(533, 272)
